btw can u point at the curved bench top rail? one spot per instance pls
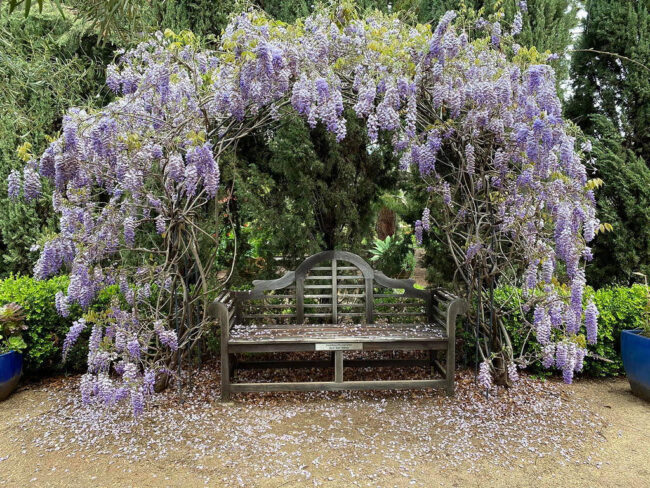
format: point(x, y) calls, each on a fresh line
point(406, 285)
point(379, 278)
point(314, 260)
point(260, 286)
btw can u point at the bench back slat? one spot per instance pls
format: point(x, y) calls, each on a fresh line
point(300, 300)
point(334, 287)
point(334, 300)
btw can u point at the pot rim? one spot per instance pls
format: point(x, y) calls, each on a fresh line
point(635, 332)
point(10, 352)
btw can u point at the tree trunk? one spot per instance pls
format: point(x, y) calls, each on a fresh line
point(386, 223)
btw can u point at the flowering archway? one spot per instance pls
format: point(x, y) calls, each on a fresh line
point(476, 115)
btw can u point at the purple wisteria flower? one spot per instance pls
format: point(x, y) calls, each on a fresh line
point(149, 382)
point(517, 24)
point(13, 184)
point(512, 372)
point(129, 231)
point(54, 255)
point(496, 34)
point(73, 334)
point(426, 219)
point(470, 159)
point(569, 362)
point(548, 355)
point(446, 193)
point(484, 377)
point(473, 250)
point(418, 231)
point(591, 322)
point(542, 325)
point(133, 347)
point(579, 359)
point(130, 374)
point(61, 303)
point(161, 225)
point(561, 355)
point(548, 267)
point(167, 336)
point(31, 184)
point(137, 401)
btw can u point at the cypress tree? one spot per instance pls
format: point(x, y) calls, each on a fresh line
point(609, 85)
point(304, 192)
point(48, 63)
point(611, 103)
point(624, 202)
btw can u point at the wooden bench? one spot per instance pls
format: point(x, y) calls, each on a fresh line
point(334, 301)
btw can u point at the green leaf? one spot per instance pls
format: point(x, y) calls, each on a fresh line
point(16, 343)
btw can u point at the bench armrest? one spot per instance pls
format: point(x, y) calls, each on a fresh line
point(223, 309)
point(454, 307)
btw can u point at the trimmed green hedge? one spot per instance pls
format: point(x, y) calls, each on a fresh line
point(46, 329)
point(620, 308)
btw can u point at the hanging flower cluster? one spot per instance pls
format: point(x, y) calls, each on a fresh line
point(483, 129)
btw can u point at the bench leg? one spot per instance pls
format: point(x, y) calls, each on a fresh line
point(232, 366)
point(338, 366)
point(225, 376)
point(451, 367)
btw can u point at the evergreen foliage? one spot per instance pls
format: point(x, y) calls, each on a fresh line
point(304, 192)
point(620, 308)
point(611, 103)
point(46, 329)
point(203, 17)
point(608, 85)
point(48, 64)
point(624, 202)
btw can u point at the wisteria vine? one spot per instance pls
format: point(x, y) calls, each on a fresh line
point(476, 115)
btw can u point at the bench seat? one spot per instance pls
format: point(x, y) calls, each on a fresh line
point(325, 333)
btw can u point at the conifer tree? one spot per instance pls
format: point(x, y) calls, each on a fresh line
point(615, 85)
point(48, 64)
point(611, 103)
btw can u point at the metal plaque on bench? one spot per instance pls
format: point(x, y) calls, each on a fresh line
point(339, 346)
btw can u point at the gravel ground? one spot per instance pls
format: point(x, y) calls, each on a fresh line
point(594, 433)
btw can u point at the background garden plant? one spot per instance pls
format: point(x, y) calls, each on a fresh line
point(12, 325)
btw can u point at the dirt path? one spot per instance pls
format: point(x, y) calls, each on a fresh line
point(420, 272)
point(594, 433)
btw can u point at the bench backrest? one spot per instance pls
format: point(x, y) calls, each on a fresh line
point(334, 287)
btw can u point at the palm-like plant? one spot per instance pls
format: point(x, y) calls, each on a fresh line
point(381, 248)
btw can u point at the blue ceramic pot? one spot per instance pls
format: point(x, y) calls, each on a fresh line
point(635, 350)
point(11, 367)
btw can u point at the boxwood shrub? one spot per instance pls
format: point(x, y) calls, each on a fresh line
point(620, 308)
point(46, 329)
